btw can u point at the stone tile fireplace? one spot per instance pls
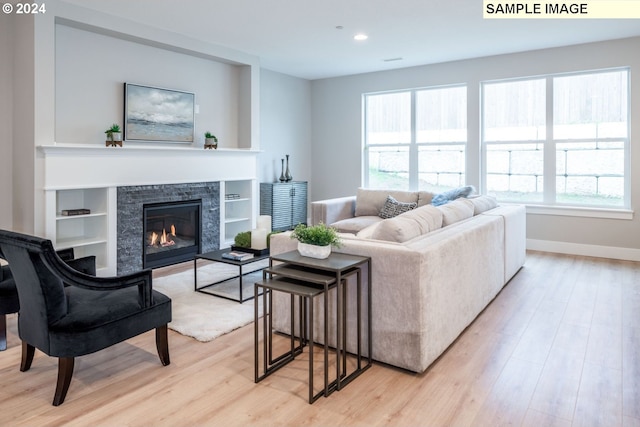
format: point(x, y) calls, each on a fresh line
point(188, 215)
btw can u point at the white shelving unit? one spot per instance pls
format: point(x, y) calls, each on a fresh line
point(86, 234)
point(237, 199)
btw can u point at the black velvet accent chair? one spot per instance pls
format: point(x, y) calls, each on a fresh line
point(89, 314)
point(9, 302)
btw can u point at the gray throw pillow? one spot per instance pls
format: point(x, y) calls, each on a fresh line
point(393, 208)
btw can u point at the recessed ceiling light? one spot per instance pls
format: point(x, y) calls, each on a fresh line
point(360, 37)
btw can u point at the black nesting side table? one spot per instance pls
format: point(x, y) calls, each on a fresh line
point(318, 276)
point(216, 256)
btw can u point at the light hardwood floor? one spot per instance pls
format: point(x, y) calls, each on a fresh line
point(559, 346)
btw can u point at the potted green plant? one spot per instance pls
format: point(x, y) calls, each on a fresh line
point(210, 140)
point(316, 241)
point(242, 239)
point(113, 133)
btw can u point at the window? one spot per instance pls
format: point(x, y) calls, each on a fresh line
point(416, 139)
point(559, 139)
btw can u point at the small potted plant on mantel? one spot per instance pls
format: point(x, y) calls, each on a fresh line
point(210, 140)
point(316, 241)
point(114, 136)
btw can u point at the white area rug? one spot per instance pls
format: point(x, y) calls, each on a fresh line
point(206, 317)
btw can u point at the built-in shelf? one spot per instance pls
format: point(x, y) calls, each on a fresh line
point(237, 213)
point(61, 217)
point(87, 234)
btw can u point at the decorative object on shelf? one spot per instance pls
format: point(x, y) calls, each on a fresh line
point(282, 177)
point(287, 174)
point(153, 114)
point(316, 241)
point(210, 141)
point(75, 212)
point(114, 136)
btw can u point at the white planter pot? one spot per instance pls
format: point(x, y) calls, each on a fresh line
point(210, 142)
point(116, 136)
point(313, 251)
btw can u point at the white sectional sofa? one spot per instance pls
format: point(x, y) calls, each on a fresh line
point(434, 269)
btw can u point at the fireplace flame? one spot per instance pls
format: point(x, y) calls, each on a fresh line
point(163, 240)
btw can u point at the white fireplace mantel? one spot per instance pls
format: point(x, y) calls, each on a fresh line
point(87, 176)
point(68, 166)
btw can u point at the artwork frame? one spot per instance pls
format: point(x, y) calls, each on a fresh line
point(154, 114)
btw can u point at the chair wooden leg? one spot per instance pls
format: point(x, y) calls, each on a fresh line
point(65, 372)
point(162, 344)
point(27, 356)
point(3, 332)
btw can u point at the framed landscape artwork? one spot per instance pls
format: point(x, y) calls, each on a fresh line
point(153, 114)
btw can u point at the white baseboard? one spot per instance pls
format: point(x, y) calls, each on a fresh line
point(627, 254)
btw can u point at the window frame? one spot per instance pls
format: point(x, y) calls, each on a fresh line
point(549, 203)
point(412, 147)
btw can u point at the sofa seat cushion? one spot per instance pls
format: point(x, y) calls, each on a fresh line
point(355, 224)
point(455, 211)
point(406, 226)
point(369, 202)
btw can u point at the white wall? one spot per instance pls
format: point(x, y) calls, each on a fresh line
point(6, 121)
point(285, 126)
point(336, 117)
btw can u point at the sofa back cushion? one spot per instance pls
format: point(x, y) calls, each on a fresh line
point(483, 203)
point(456, 211)
point(406, 226)
point(424, 198)
point(369, 202)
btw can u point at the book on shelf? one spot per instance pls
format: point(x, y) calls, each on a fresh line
point(231, 196)
point(73, 212)
point(237, 256)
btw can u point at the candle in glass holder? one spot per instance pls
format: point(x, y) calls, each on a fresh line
point(259, 238)
point(264, 222)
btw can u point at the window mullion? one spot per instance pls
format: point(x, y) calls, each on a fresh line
point(413, 147)
point(549, 168)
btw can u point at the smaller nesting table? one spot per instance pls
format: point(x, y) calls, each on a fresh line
point(216, 256)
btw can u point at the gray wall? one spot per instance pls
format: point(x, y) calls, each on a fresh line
point(6, 121)
point(336, 117)
point(90, 95)
point(285, 126)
